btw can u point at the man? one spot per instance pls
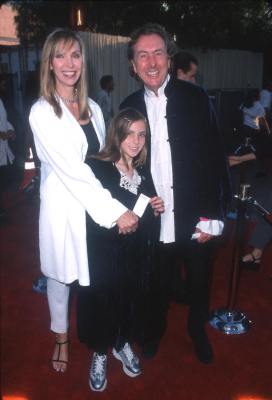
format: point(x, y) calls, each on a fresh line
point(185, 66)
point(104, 98)
point(188, 167)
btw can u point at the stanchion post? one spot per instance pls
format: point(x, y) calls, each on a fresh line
point(228, 320)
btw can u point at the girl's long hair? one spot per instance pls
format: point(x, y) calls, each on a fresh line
point(118, 132)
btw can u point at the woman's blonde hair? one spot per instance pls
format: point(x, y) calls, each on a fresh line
point(118, 132)
point(47, 77)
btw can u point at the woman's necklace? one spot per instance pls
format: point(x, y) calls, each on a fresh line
point(69, 101)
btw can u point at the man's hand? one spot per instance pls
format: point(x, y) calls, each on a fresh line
point(203, 237)
point(128, 222)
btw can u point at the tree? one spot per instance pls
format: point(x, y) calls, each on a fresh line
point(243, 24)
point(240, 24)
point(36, 18)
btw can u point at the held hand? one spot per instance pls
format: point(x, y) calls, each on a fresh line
point(157, 204)
point(204, 237)
point(128, 222)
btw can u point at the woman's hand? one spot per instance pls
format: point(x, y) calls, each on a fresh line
point(127, 222)
point(157, 204)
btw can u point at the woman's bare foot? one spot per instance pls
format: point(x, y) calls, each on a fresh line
point(61, 352)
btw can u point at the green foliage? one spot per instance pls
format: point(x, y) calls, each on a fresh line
point(37, 18)
point(240, 24)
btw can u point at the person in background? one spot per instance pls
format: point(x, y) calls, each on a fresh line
point(189, 170)
point(104, 98)
point(31, 186)
point(266, 101)
point(66, 125)
point(115, 309)
point(261, 190)
point(16, 142)
point(185, 66)
point(261, 234)
point(254, 116)
point(255, 125)
point(6, 156)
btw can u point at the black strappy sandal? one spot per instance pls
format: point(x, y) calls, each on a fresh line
point(57, 359)
point(253, 264)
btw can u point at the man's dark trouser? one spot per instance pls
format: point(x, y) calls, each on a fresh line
point(196, 258)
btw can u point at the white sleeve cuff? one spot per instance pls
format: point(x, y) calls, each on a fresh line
point(211, 226)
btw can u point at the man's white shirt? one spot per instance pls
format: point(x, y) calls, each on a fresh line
point(161, 159)
point(161, 166)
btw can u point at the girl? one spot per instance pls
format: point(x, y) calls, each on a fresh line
point(116, 309)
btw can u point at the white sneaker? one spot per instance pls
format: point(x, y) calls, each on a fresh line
point(97, 377)
point(131, 363)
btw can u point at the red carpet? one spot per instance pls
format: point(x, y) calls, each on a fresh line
point(241, 370)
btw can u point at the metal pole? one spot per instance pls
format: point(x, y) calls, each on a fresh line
point(228, 320)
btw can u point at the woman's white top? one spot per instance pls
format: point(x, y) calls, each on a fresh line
point(68, 190)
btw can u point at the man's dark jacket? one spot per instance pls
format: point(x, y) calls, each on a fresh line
point(200, 173)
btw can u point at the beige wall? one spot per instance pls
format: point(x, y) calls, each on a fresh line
point(106, 55)
point(229, 69)
point(218, 69)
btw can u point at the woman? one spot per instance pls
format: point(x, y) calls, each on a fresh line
point(116, 309)
point(64, 124)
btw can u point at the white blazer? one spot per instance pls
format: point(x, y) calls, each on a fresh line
point(68, 188)
point(6, 155)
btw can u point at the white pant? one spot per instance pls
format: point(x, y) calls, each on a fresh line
point(58, 300)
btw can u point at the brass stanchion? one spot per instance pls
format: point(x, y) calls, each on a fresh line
point(229, 320)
